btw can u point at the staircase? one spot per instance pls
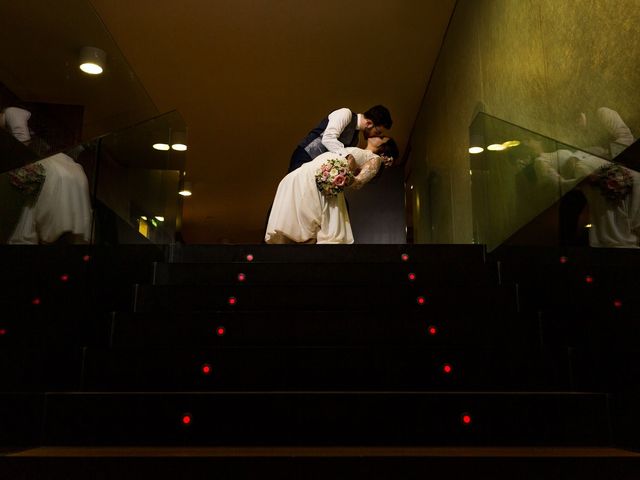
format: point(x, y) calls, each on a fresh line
point(380, 361)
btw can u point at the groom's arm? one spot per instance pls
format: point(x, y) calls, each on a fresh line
point(338, 121)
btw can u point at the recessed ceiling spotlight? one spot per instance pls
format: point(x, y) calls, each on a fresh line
point(92, 60)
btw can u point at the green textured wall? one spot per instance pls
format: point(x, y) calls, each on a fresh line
point(535, 63)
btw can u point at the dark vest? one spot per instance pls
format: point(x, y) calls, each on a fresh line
point(312, 143)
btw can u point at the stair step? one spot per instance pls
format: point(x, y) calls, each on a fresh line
point(435, 254)
point(319, 327)
point(334, 273)
point(322, 368)
point(496, 463)
point(29, 370)
point(180, 298)
point(326, 418)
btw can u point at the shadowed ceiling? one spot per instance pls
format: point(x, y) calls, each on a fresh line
point(251, 77)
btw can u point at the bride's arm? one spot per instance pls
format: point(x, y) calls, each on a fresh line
point(367, 172)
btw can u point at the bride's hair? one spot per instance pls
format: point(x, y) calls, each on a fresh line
point(389, 149)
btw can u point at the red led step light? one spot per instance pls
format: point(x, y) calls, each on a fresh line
point(617, 303)
point(412, 276)
point(3, 331)
point(588, 279)
point(221, 331)
point(206, 369)
point(86, 258)
point(64, 277)
point(564, 259)
point(232, 300)
point(404, 257)
point(249, 258)
point(446, 368)
point(36, 301)
point(242, 277)
point(466, 419)
point(432, 330)
point(421, 300)
point(186, 419)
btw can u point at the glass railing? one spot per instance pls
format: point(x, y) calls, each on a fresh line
point(119, 188)
point(42, 47)
point(64, 176)
point(140, 172)
point(528, 189)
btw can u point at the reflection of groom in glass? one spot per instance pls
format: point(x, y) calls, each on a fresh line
point(338, 130)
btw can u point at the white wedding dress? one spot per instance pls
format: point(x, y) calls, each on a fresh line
point(301, 214)
point(63, 205)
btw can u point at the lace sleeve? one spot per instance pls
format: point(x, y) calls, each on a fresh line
point(367, 172)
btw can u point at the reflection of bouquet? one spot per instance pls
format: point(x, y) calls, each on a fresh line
point(28, 179)
point(333, 176)
point(615, 182)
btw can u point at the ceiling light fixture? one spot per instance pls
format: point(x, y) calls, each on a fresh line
point(92, 60)
point(496, 147)
point(186, 190)
point(511, 143)
point(179, 141)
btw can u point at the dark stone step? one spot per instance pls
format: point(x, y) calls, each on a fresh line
point(314, 463)
point(435, 254)
point(335, 273)
point(320, 327)
point(312, 418)
point(322, 368)
point(177, 298)
point(28, 369)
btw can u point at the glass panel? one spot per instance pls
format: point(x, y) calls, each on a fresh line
point(140, 173)
point(528, 189)
point(131, 188)
point(60, 163)
point(48, 104)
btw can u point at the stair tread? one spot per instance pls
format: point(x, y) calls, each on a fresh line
point(338, 451)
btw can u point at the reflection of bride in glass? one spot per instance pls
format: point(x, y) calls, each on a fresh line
point(612, 194)
point(54, 192)
point(302, 214)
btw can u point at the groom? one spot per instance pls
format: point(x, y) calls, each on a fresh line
point(338, 130)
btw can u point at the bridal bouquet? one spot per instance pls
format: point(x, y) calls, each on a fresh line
point(614, 181)
point(333, 177)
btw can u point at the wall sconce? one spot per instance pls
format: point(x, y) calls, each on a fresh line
point(179, 141)
point(92, 60)
point(186, 190)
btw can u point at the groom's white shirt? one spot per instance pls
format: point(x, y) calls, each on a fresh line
point(338, 121)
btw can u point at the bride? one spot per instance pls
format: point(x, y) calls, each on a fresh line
point(301, 214)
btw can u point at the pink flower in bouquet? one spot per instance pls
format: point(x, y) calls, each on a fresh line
point(333, 176)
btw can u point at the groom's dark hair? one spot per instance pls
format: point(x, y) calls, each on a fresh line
point(380, 116)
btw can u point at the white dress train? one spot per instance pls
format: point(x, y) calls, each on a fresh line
point(301, 214)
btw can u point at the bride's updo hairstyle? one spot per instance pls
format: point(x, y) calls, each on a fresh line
point(389, 149)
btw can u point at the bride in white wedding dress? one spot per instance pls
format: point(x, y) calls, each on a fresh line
point(301, 214)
